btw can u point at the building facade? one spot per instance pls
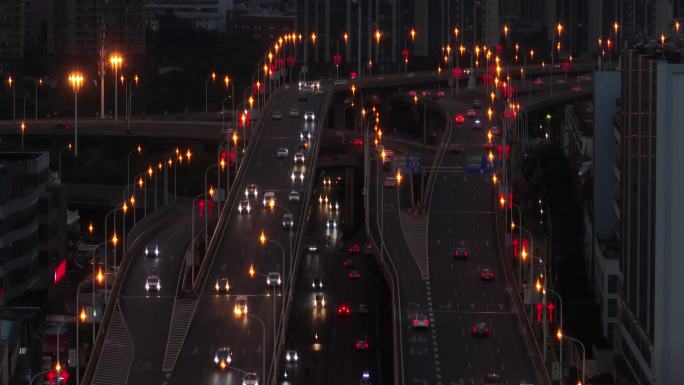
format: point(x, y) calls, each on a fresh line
point(32, 225)
point(649, 205)
point(82, 26)
point(12, 27)
point(209, 15)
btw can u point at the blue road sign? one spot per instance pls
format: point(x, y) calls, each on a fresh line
point(414, 165)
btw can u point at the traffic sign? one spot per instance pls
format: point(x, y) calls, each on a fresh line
point(399, 162)
point(414, 165)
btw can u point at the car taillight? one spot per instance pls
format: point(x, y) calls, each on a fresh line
point(415, 322)
point(474, 330)
point(482, 275)
point(465, 254)
point(486, 330)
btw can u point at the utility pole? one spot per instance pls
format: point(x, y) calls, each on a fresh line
point(101, 65)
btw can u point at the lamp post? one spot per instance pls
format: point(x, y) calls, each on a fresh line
point(192, 242)
point(38, 82)
point(76, 80)
point(523, 253)
point(82, 317)
point(263, 344)
point(22, 129)
point(138, 149)
point(10, 84)
point(274, 205)
point(114, 241)
point(206, 90)
point(59, 156)
point(263, 240)
point(211, 195)
point(252, 272)
point(560, 336)
point(59, 331)
point(560, 303)
point(116, 61)
point(529, 284)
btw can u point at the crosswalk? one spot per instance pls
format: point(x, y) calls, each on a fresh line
point(183, 311)
point(116, 358)
point(415, 235)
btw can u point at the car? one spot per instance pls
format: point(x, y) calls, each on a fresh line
point(365, 378)
point(294, 112)
point(343, 310)
point(354, 274)
point(361, 344)
point(152, 253)
point(412, 93)
point(486, 274)
point(291, 356)
point(317, 284)
point(460, 119)
point(282, 152)
point(426, 94)
point(440, 94)
point(389, 181)
point(288, 221)
point(277, 115)
point(420, 321)
point(538, 82)
point(153, 283)
point(223, 357)
point(495, 130)
point(364, 309)
point(299, 157)
point(269, 199)
point(480, 329)
point(240, 307)
point(461, 253)
point(477, 103)
point(492, 378)
point(454, 148)
point(312, 247)
point(251, 190)
point(471, 113)
point(326, 181)
point(305, 135)
point(331, 224)
point(319, 301)
point(250, 379)
point(273, 279)
point(477, 124)
point(294, 197)
point(576, 88)
point(222, 285)
point(297, 175)
point(347, 263)
point(309, 115)
point(244, 206)
point(488, 145)
point(354, 249)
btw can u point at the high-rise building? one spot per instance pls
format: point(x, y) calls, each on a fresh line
point(209, 15)
point(649, 207)
point(12, 26)
point(82, 25)
point(32, 224)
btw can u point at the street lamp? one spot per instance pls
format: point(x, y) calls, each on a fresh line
point(560, 337)
point(10, 84)
point(116, 61)
point(22, 128)
point(59, 156)
point(206, 90)
point(76, 81)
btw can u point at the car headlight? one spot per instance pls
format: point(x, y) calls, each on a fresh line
point(227, 287)
point(147, 287)
point(217, 286)
point(216, 359)
point(279, 281)
point(323, 302)
point(159, 286)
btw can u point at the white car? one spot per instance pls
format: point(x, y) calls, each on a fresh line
point(331, 224)
point(153, 283)
point(282, 152)
point(273, 279)
point(244, 206)
point(288, 221)
point(305, 135)
point(152, 253)
point(240, 305)
point(294, 112)
point(297, 175)
point(294, 197)
point(308, 115)
point(222, 285)
point(269, 196)
point(291, 356)
point(250, 379)
point(299, 157)
point(277, 115)
point(251, 190)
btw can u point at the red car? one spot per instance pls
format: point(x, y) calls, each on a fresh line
point(487, 274)
point(454, 148)
point(354, 274)
point(343, 310)
point(361, 345)
point(354, 249)
point(461, 253)
point(460, 119)
point(480, 329)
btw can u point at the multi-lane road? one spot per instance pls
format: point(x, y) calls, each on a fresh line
point(215, 324)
